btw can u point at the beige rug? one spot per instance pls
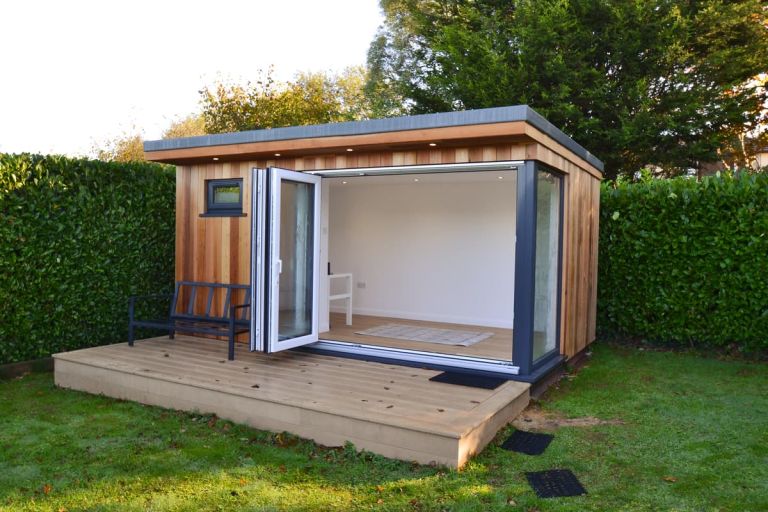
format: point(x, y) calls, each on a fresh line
point(427, 334)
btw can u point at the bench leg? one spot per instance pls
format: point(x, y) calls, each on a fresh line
point(131, 313)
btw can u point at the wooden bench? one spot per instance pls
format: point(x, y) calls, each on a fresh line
point(234, 320)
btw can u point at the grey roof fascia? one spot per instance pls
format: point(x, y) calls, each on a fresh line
point(392, 124)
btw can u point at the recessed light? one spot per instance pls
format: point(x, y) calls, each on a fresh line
point(343, 182)
point(350, 150)
point(501, 177)
point(277, 154)
point(415, 179)
point(433, 144)
point(215, 158)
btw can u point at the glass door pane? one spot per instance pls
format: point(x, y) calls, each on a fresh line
point(295, 285)
point(294, 260)
point(546, 275)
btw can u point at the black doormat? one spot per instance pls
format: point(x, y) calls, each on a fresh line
point(469, 380)
point(529, 443)
point(555, 483)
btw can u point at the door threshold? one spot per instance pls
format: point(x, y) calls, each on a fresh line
point(416, 358)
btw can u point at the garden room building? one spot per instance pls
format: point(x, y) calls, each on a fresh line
point(371, 256)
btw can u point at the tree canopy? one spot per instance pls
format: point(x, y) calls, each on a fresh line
point(129, 147)
point(311, 98)
point(661, 82)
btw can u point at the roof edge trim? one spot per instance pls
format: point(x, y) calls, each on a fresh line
point(372, 126)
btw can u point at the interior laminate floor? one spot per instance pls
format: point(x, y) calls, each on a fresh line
point(499, 346)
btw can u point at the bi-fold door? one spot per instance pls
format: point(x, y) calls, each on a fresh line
point(285, 259)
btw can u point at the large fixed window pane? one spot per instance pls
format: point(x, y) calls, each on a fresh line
point(546, 275)
point(296, 254)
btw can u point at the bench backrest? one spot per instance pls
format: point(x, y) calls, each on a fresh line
point(210, 301)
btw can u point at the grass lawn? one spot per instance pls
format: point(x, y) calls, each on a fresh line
point(694, 437)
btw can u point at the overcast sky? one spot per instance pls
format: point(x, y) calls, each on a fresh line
point(74, 72)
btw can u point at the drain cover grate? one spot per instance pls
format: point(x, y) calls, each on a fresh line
point(467, 379)
point(555, 483)
point(529, 443)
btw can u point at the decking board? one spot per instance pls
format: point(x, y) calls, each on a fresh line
point(414, 419)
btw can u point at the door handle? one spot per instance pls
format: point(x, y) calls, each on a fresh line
point(279, 266)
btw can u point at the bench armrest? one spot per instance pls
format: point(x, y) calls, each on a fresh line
point(233, 311)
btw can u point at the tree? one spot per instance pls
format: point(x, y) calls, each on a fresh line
point(311, 98)
point(128, 147)
point(189, 126)
point(659, 82)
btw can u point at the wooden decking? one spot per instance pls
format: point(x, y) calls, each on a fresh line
point(391, 410)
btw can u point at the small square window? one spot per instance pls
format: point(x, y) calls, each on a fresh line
point(224, 198)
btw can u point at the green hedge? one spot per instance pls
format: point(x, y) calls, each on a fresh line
point(77, 237)
point(686, 262)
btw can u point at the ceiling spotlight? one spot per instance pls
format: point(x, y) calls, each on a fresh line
point(215, 159)
point(415, 179)
point(343, 182)
point(277, 154)
point(350, 150)
point(501, 177)
point(433, 144)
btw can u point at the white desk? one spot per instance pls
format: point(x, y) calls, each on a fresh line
point(346, 295)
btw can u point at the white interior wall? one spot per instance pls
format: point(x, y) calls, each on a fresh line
point(441, 248)
point(324, 292)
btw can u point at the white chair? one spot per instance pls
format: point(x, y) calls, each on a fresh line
point(346, 294)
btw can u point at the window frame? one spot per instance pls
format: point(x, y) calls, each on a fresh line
point(213, 209)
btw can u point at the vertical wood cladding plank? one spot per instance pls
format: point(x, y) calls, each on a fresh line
point(595, 234)
point(568, 267)
point(565, 296)
point(503, 152)
point(475, 154)
point(584, 246)
point(244, 225)
point(183, 223)
point(182, 219)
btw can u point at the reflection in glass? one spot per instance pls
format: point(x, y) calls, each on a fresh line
point(547, 256)
point(296, 254)
point(229, 194)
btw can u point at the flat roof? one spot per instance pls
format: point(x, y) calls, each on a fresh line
point(391, 124)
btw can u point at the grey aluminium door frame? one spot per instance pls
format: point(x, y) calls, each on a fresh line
point(525, 269)
point(522, 363)
point(415, 357)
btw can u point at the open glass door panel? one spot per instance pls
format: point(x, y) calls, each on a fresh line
point(286, 262)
